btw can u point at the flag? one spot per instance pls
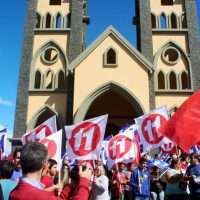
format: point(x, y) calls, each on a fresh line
point(195, 149)
point(122, 147)
point(158, 163)
point(54, 145)
point(183, 128)
point(168, 146)
point(162, 165)
point(43, 130)
point(84, 139)
point(2, 142)
point(148, 128)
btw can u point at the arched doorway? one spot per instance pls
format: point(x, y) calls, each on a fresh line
point(114, 100)
point(41, 116)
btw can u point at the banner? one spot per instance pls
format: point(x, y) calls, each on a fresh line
point(148, 126)
point(168, 146)
point(84, 139)
point(122, 147)
point(54, 145)
point(43, 130)
point(183, 128)
point(2, 142)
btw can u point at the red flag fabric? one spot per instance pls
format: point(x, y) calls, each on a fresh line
point(183, 128)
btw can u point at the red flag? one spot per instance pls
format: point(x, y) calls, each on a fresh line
point(184, 126)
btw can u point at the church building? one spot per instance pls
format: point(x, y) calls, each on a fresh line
point(60, 76)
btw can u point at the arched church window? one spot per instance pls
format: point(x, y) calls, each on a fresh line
point(49, 80)
point(43, 116)
point(161, 80)
point(171, 55)
point(61, 80)
point(38, 77)
point(55, 2)
point(38, 20)
point(68, 20)
point(163, 21)
point(172, 81)
point(166, 2)
point(184, 21)
point(58, 21)
point(173, 19)
point(48, 21)
point(111, 57)
point(184, 81)
point(153, 20)
point(50, 55)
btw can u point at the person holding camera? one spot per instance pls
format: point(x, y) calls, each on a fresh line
point(100, 184)
point(33, 162)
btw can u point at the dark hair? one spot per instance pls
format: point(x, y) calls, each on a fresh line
point(51, 163)
point(6, 169)
point(143, 160)
point(33, 156)
point(174, 162)
point(18, 149)
point(195, 156)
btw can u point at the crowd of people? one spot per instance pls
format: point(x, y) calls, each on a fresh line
point(31, 175)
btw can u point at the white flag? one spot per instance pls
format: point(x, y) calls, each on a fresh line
point(148, 126)
point(54, 145)
point(122, 147)
point(168, 146)
point(43, 130)
point(84, 139)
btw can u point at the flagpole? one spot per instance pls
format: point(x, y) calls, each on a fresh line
point(118, 176)
point(59, 180)
point(139, 181)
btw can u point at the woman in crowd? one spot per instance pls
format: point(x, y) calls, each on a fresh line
point(176, 187)
point(49, 175)
point(100, 185)
point(17, 173)
point(118, 182)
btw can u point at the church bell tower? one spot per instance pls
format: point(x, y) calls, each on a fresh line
point(54, 35)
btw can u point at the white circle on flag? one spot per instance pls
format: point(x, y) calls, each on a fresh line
point(51, 147)
point(150, 126)
point(85, 138)
point(119, 146)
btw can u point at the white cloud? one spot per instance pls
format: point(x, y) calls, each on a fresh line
point(6, 102)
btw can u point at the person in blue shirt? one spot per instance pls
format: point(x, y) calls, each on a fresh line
point(6, 185)
point(140, 181)
point(193, 175)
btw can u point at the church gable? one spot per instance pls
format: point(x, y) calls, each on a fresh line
point(112, 37)
point(111, 58)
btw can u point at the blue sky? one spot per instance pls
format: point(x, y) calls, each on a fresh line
point(103, 13)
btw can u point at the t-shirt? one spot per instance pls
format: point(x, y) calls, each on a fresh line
point(118, 188)
point(140, 182)
point(47, 181)
point(194, 170)
point(16, 175)
point(7, 186)
point(174, 188)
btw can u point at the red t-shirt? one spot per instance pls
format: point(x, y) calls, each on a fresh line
point(47, 181)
